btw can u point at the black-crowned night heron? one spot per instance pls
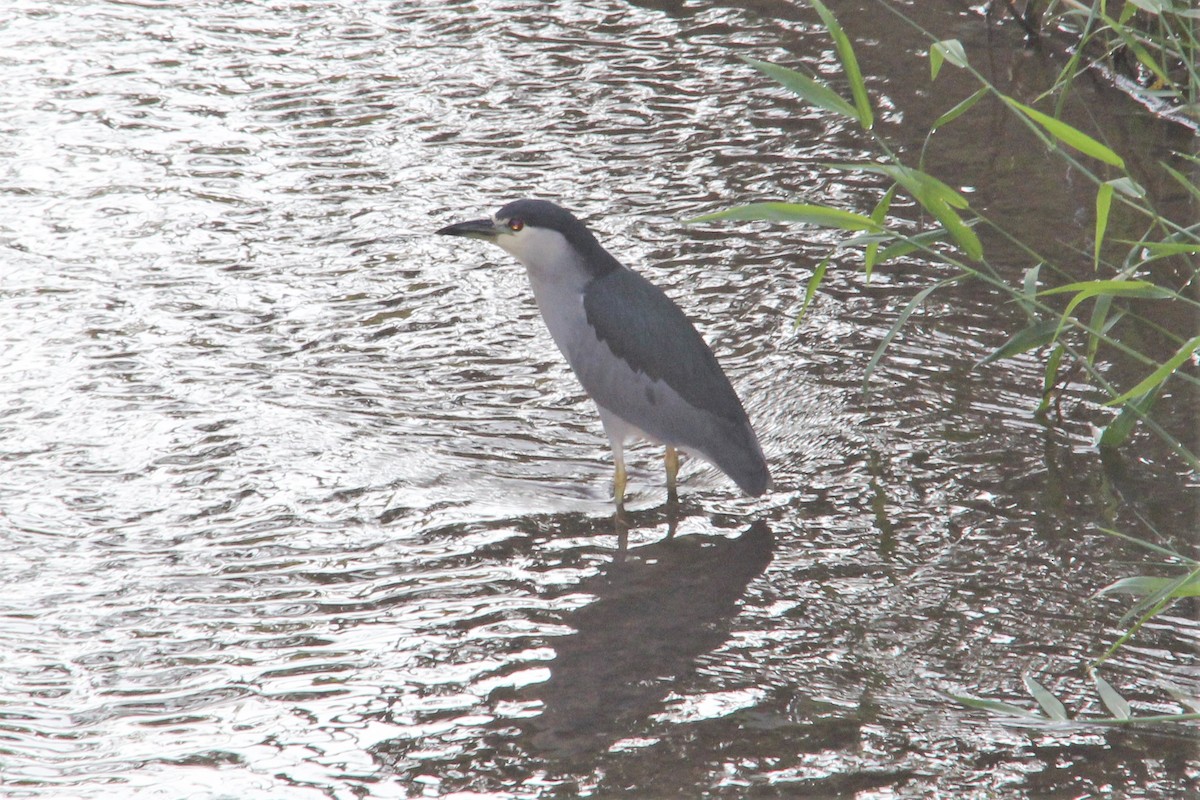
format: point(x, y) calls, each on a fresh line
point(636, 354)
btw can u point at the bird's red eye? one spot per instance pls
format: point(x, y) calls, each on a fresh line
point(515, 224)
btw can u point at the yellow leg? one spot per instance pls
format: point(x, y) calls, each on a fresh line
point(619, 486)
point(672, 460)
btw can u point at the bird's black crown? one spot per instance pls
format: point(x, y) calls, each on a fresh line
point(544, 214)
point(541, 214)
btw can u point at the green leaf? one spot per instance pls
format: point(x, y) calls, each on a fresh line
point(905, 313)
point(946, 50)
point(993, 705)
point(1085, 290)
point(1138, 585)
point(862, 239)
point(935, 62)
point(1117, 705)
point(1099, 325)
point(964, 237)
point(1161, 374)
point(913, 180)
point(1128, 187)
point(795, 212)
point(1049, 703)
point(1117, 432)
point(935, 196)
point(1189, 586)
point(910, 243)
point(1103, 203)
point(1049, 374)
point(1163, 249)
point(879, 215)
point(1149, 719)
point(810, 291)
point(858, 88)
point(1068, 135)
point(1038, 334)
point(870, 255)
point(960, 109)
point(1151, 546)
point(1030, 281)
point(1155, 593)
point(807, 88)
point(1192, 187)
point(1118, 288)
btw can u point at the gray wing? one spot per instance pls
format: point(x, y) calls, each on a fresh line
point(644, 328)
point(666, 381)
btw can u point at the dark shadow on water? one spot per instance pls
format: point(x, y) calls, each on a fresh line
point(657, 610)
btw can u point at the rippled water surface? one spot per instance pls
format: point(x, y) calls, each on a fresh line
point(298, 500)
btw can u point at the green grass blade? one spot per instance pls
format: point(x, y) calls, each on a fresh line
point(1103, 204)
point(1117, 705)
point(1154, 7)
point(1049, 375)
point(870, 257)
point(1117, 432)
point(1099, 324)
point(808, 89)
point(964, 237)
point(1149, 719)
point(939, 200)
point(1161, 374)
point(1151, 546)
point(935, 197)
point(1121, 29)
point(1085, 290)
point(946, 50)
point(879, 214)
point(1164, 249)
point(1030, 281)
point(810, 291)
point(959, 109)
point(1128, 187)
point(905, 313)
point(1120, 288)
point(1138, 585)
point(914, 181)
point(911, 243)
point(1155, 594)
point(1068, 135)
point(858, 87)
point(1038, 334)
point(1188, 586)
point(795, 212)
point(994, 706)
point(1192, 187)
point(1049, 703)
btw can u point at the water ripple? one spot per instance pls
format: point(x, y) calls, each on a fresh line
point(297, 499)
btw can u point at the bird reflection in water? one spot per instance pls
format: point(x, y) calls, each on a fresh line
point(657, 609)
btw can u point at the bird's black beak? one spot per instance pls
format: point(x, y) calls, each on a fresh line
point(474, 229)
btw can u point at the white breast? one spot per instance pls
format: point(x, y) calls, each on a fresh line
point(558, 280)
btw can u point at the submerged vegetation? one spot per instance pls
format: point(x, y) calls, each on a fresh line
point(1148, 46)
point(1076, 326)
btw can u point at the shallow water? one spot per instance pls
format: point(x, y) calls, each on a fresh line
point(300, 501)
